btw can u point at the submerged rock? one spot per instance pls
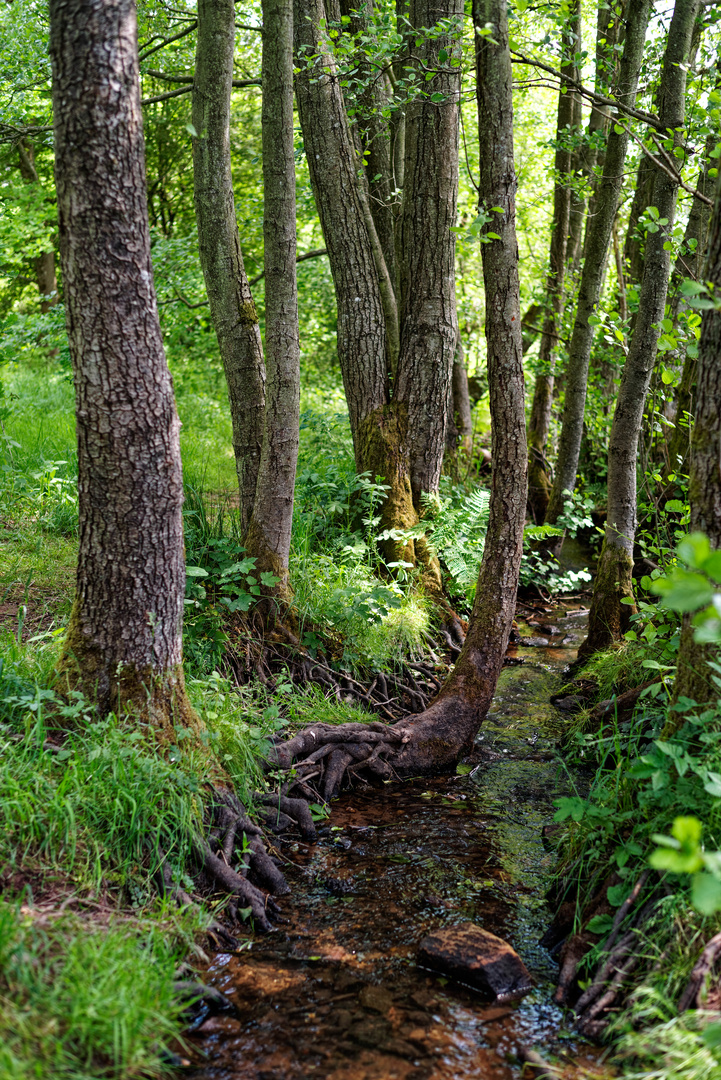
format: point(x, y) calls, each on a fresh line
point(475, 957)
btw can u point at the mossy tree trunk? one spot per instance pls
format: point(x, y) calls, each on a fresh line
point(268, 536)
point(693, 675)
point(124, 641)
point(435, 739)
point(598, 239)
point(231, 304)
point(426, 244)
point(397, 411)
point(609, 615)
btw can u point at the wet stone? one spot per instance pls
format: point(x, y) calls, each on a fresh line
point(475, 957)
point(376, 998)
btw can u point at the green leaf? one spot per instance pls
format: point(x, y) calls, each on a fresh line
point(600, 924)
point(711, 1036)
point(463, 770)
point(191, 130)
point(694, 549)
point(712, 565)
point(706, 894)
point(616, 894)
point(683, 591)
point(573, 807)
point(674, 506)
point(196, 571)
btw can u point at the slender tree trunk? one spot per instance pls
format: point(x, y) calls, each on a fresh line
point(44, 263)
point(539, 424)
point(231, 304)
point(459, 434)
point(268, 537)
point(608, 617)
point(576, 203)
point(689, 264)
point(124, 641)
point(693, 675)
point(379, 427)
point(610, 26)
point(597, 243)
point(428, 319)
point(435, 739)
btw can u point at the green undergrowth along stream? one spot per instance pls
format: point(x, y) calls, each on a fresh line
point(652, 816)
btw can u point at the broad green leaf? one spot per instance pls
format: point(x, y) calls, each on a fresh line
point(706, 894)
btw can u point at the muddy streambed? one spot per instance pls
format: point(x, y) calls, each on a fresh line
point(336, 992)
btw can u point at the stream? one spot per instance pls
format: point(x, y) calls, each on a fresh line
point(336, 991)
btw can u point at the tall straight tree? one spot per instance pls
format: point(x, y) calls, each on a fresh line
point(598, 238)
point(231, 304)
point(436, 738)
point(539, 424)
point(613, 584)
point(124, 641)
point(268, 536)
point(693, 675)
point(398, 414)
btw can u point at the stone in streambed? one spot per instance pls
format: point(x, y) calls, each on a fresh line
point(475, 957)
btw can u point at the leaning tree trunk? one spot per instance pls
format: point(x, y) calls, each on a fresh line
point(598, 238)
point(124, 641)
point(428, 320)
point(609, 616)
point(268, 536)
point(231, 304)
point(539, 424)
point(693, 675)
point(434, 740)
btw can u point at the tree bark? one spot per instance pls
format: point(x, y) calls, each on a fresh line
point(597, 243)
point(435, 739)
point(268, 537)
point(459, 434)
point(44, 263)
point(428, 320)
point(609, 618)
point(693, 675)
point(231, 304)
point(539, 482)
point(124, 641)
point(379, 426)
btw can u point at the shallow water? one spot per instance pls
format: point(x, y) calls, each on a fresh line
point(336, 992)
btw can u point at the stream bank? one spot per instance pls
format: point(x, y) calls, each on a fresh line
point(336, 992)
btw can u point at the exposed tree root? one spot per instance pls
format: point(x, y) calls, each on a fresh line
point(692, 995)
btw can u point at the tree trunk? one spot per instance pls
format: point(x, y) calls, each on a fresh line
point(379, 426)
point(459, 434)
point(539, 483)
point(124, 641)
point(609, 31)
point(231, 304)
point(268, 537)
point(693, 675)
point(428, 320)
point(609, 618)
point(435, 739)
point(598, 238)
point(44, 263)
point(689, 264)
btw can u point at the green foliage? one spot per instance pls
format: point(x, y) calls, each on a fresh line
point(81, 1001)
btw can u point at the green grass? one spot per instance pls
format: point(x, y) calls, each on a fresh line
point(79, 1000)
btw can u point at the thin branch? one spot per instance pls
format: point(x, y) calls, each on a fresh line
point(315, 253)
point(169, 41)
point(664, 167)
point(637, 114)
point(188, 80)
point(179, 298)
point(169, 94)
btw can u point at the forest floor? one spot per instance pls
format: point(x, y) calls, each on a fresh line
point(90, 957)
